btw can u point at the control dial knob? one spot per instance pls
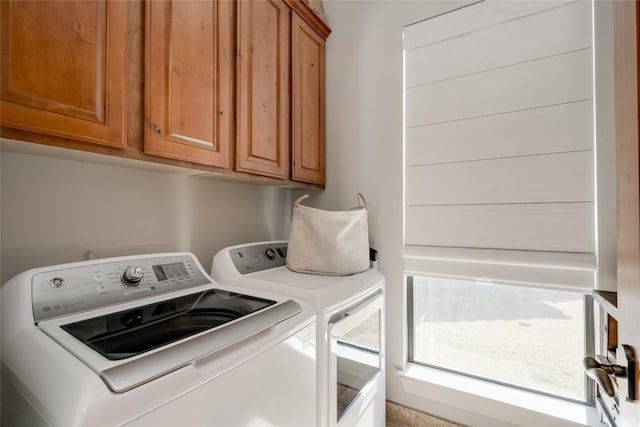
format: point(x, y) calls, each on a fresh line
point(132, 276)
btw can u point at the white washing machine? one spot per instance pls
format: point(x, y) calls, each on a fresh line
point(152, 341)
point(350, 327)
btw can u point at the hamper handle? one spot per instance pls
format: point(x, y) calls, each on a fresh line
point(299, 199)
point(362, 201)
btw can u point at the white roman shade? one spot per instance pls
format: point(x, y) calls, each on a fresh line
point(499, 144)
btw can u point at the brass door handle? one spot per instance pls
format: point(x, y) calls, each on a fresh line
point(601, 372)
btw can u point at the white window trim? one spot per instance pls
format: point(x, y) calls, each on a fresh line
point(508, 404)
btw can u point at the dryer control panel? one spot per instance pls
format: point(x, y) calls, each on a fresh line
point(100, 283)
point(252, 258)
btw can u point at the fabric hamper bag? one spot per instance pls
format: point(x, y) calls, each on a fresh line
point(328, 242)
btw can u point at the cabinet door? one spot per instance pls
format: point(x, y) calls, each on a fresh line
point(63, 69)
point(189, 80)
point(307, 65)
point(263, 88)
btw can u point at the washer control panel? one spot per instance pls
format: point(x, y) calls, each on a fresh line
point(249, 259)
point(105, 282)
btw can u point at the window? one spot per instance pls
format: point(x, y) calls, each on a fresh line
point(499, 216)
point(521, 336)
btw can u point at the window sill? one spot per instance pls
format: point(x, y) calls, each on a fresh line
point(494, 400)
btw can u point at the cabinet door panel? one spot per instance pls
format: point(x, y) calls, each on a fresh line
point(308, 103)
point(263, 94)
point(189, 84)
point(63, 70)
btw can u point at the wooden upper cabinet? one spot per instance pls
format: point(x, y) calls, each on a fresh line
point(229, 86)
point(263, 88)
point(63, 69)
point(308, 104)
point(189, 86)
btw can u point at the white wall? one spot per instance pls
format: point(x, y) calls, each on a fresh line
point(55, 210)
point(365, 154)
point(605, 145)
point(364, 148)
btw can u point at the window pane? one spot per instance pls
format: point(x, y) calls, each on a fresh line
point(532, 338)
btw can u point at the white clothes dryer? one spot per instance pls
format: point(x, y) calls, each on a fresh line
point(151, 340)
point(350, 327)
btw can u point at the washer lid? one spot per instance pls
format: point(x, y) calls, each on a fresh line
point(260, 266)
point(323, 293)
point(131, 332)
point(123, 374)
point(139, 371)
